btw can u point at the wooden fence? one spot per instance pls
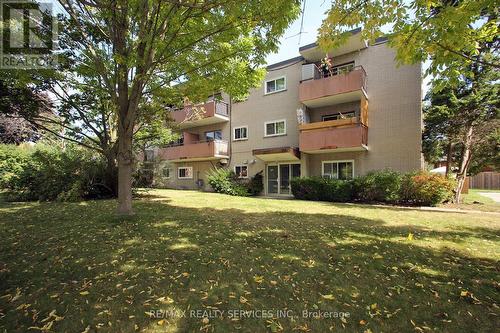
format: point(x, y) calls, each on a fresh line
point(486, 181)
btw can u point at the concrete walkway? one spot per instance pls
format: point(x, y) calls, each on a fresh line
point(495, 196)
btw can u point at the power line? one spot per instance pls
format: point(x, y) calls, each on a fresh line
point(302, 21)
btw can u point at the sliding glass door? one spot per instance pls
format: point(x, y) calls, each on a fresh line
point(279, 177)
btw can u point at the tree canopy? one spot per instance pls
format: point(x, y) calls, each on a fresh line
point(451, 33)
point(138, 51)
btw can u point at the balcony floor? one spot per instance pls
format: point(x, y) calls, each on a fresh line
point(216, 119)
point(347, 97)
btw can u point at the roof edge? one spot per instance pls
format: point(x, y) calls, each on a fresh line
point(284, 62)
point(315, 44)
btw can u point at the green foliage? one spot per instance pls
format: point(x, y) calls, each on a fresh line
point(381, 186)
point(322, 189)
point(451, 33)
point(425, 188)
point(13, 160)
point(255, 185)
point(50, 173)
point(225, 181)
point(417, 188)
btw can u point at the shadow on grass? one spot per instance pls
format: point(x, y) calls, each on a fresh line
point(106, 274)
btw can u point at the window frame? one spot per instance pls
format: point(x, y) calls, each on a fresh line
point(241, 166)
point(274, 79)
point(213, 131)
point(240, 127)
point(338, 115)
point(184, 167)
point(343, 66)
point(274, 122)
point(337, 161)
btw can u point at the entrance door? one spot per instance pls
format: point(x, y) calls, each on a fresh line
point(279, 177)
point(272, 179)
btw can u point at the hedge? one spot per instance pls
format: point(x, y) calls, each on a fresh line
point(48, 173)
point(322, 189)
point(417, 188)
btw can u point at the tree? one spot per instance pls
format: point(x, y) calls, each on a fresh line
point(14, 100)
point(140, 48)
point(462, 121)
point(451, 33)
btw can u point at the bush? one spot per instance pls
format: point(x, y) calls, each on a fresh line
point(256, 184)
point(13, 159)
point(225, 181)
point(425, 188)
point(322, 189)
point(49, 173)
point(381, 186)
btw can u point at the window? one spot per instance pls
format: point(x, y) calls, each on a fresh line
point(273, 128)
point(337, 116)
point(240, 133)
point(213, 135)
point(185, 173)
point(275, 85)
point(342, 69)
point(338, 169)
point(241, 171)
point(166, 172)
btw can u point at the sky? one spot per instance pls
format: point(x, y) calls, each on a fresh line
point(313, 16)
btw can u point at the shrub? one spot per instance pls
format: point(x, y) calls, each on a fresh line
point(255, 185)
point(425, 188)
point(50, 173)
point(322, 189)
point(225, 181)
point(381, 186)
point(13, 159)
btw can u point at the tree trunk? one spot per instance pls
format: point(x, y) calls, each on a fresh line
point(125, 164)
point(464, 164)
point(448, 159)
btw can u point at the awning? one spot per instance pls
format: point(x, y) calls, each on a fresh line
point(277, 154)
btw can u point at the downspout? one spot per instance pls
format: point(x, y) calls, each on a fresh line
point(229, 141)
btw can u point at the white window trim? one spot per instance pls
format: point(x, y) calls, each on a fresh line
point(337, 161)
point(234, 133)
point(178, 170)
point(274, 79)
point(272, 122)
point(241, 165)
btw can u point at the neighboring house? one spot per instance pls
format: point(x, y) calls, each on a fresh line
point(363, 114)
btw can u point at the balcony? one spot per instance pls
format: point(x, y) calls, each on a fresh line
point(196, 151)
point(211, 112)
point(320, 91)
point(333, 136)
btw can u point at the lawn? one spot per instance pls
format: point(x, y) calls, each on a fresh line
point(475, 201)
point(75, 267)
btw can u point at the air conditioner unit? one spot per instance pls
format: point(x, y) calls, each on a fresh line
point(223, 161)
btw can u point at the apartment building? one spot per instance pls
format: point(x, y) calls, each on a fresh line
point(362, 114)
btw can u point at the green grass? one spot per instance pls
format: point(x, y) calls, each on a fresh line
point(74, 267)
point(475, 201)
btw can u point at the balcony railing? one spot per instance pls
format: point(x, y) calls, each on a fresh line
point(201, 114)
point(322, 86)
point(341, 134)
point(201, 150)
